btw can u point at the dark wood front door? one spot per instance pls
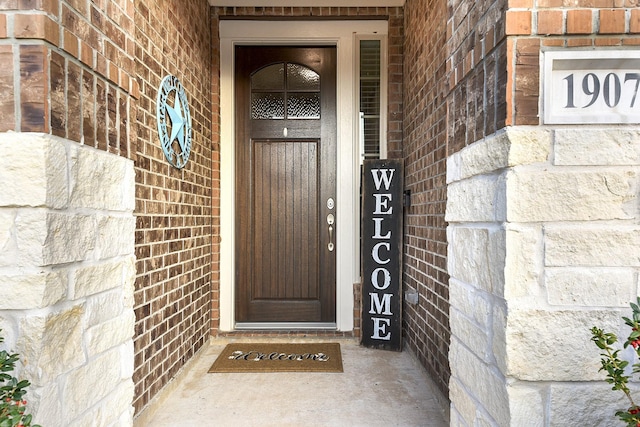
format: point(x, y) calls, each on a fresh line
point(285, 183)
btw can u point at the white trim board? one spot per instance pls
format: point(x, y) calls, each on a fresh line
point(343, 34)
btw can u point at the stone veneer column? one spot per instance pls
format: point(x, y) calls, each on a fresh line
point(544, 243)
point(66, 274)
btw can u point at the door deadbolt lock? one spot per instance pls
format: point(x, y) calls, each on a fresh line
point(330, 203)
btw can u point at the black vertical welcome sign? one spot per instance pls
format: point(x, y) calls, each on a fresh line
point(382, 191)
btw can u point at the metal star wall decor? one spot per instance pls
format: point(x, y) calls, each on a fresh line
point(174, 121)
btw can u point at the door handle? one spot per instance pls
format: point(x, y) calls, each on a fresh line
point(330, 220)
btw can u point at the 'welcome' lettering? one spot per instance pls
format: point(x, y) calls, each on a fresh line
point(380, 307)
point(380, 175)
point(382, 225)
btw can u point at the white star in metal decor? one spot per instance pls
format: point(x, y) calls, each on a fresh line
point(180, 122)
point(177, 123)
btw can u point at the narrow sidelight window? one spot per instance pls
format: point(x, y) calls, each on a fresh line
point(372, 91)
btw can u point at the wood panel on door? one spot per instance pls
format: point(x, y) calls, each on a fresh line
point(285, 173)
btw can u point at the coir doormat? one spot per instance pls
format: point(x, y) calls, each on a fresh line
point(266, 357)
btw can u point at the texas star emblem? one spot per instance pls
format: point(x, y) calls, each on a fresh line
point(174, 121)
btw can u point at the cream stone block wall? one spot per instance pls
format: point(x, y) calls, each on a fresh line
point(67, 271)
point(544, 238)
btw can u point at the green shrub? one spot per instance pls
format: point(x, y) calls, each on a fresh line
point(12, 391)
point(615, 367)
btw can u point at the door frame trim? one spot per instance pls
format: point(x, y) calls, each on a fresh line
point(343, 35)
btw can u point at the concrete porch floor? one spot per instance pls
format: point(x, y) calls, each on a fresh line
point(377, 388)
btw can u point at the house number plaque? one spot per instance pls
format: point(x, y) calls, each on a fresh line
point(585, 87)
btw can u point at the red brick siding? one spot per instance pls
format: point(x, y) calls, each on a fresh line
point(33, 102)
point(89, 72)
point(476, 71)
point(177, 210)
point(215, 176)
point(425, 148)
point(7, 90)
point(395, 118)
point(65, 52)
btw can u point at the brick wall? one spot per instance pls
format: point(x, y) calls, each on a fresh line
point(533, 26)
point(75, 65)
point(175, 209)
point(425, 89)
point(476, 71)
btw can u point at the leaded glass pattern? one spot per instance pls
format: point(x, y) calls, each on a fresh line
point(276, 95)
point(300, 77)
point(303, 105)
point(267, 106)
point(269, 78)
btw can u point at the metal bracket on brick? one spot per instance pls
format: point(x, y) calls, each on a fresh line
point(411, 297)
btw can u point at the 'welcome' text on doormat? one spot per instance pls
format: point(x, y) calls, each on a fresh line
point(266, 357)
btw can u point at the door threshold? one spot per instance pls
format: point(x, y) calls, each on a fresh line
point(290, 326)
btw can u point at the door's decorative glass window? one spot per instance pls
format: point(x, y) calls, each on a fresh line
point(269, 78)
point(302, 78)
point(267, 106)
point(277, 95)
point(303, 106)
